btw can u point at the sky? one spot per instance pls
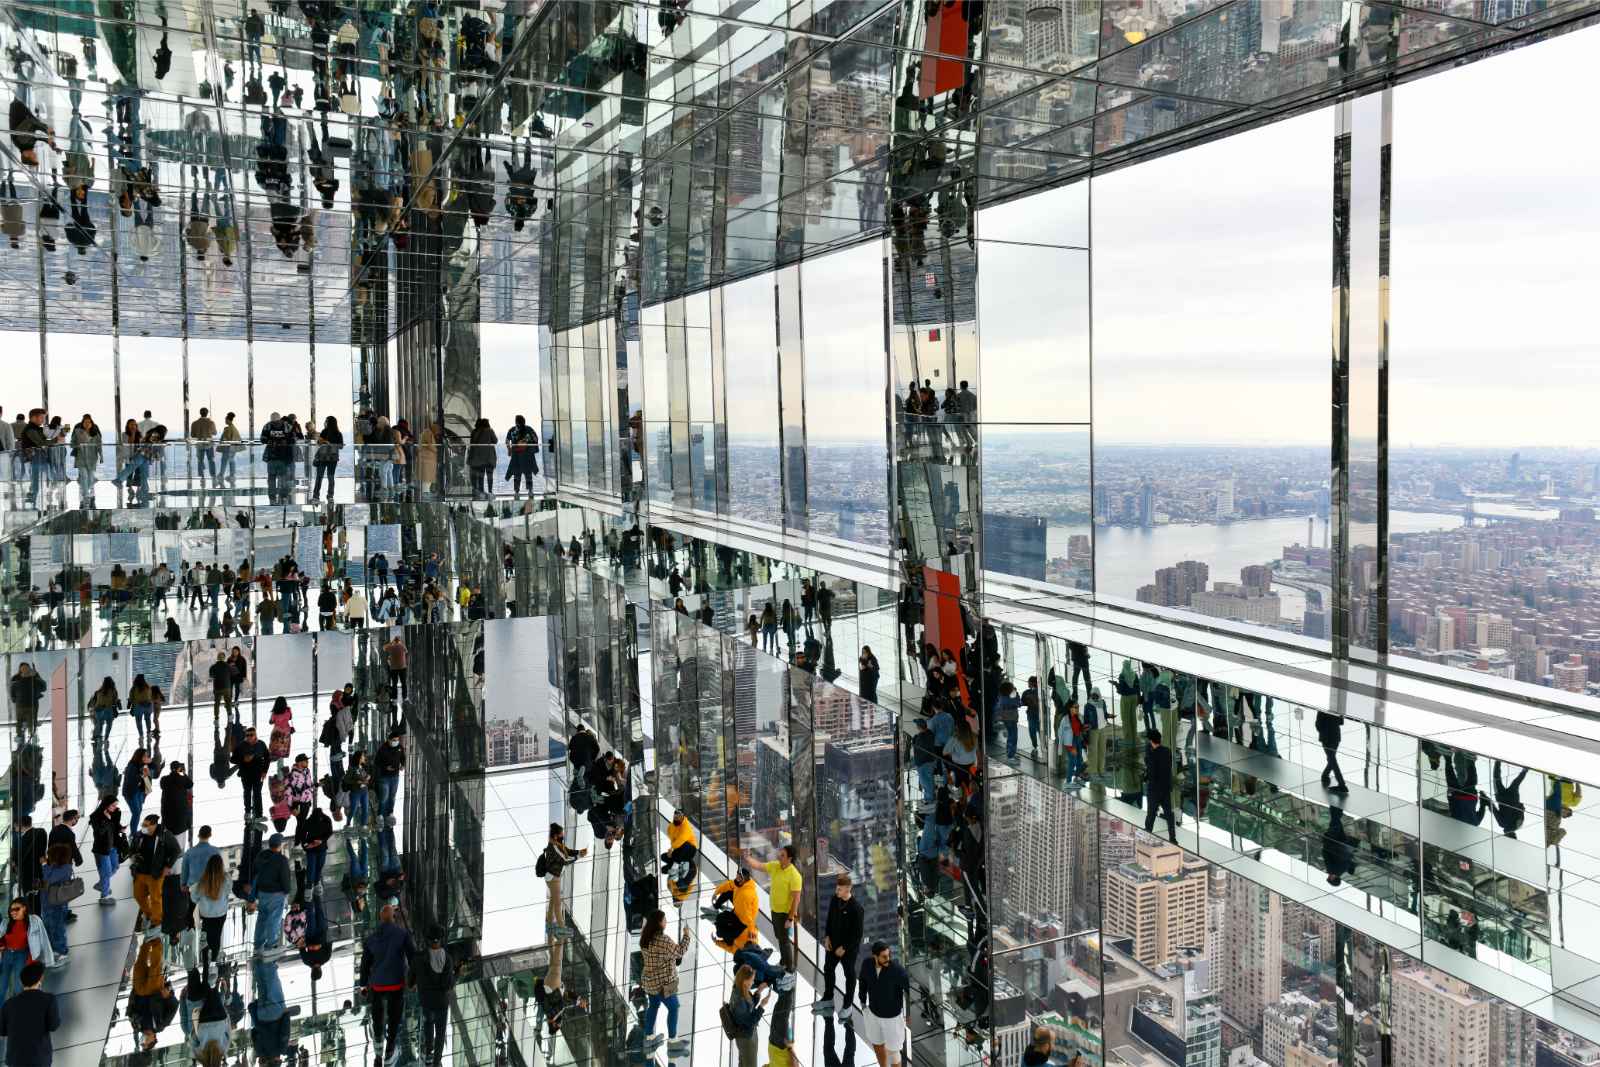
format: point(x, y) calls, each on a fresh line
point(1210, 288)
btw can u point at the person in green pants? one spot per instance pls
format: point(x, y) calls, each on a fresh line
point(1128, 757)
point(1166, 703)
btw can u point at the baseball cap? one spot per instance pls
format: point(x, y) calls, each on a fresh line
point(275, 840)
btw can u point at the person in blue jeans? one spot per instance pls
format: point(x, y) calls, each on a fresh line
point(356, 779)
point(766, 973)
point(272, 885)
point(391, 761)
point(925, 757)
point(661, 956)
point(1005, 710)
point(106, 822)
point(136, 783)
point(16, 953)
point(57, 869)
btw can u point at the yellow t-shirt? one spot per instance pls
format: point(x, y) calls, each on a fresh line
point(785, 886)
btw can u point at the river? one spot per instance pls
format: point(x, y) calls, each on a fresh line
point(1126, 558)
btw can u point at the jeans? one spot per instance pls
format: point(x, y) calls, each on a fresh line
point(252, 796)
point(36, 472)
point(227, 470)
point(269, 920)
point(388, 785)
point(323, 469)
point(136, 469)
point(85, 485)
point(107, 866)
point(360, 808)
point(1033, 730)
point(925, 780)
point(279, 480)
point(316, 858)
point(1011, 740)
point(12, 961)
point(135, 808)
point(55, 924)
point(103, 718)
point(141, 715)
point(206, 456)
point(655, 1002)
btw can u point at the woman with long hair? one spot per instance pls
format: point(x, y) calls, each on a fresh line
point(140, 703)
point(136, 783)
point(746, 1012)
point(210, 894)
point(660, 982)
point(104, 705)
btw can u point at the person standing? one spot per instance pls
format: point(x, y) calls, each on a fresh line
point(884, 988)
point(29, 844)
point(434, 974)
point(481, 458)
point(391, 761)
point(313, 832)
point(1158, 784)
point(58, 870)
point(155, 851)
point(65, 833)
point(660, 982)
point(841, 941)
point(1127, 686)
point(868, 672)
point(553, 862)
point(209, 888)
point(785, 897)
point(746, 1011)
point(252, 759)
point(86, 451)
point(272, 884)
point(1330, 731)
point(203, 432)
point(394, 657)
point(136, 783)
point(385, 963)
point(330, 441)
point(28, 1019)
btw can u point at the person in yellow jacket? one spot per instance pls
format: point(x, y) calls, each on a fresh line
point(678, 861)
point(746, 906)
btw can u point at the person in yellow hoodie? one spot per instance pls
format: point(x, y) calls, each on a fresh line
point(677, 863)
point(746, 906)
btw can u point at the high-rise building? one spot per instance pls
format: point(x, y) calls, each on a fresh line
point(1573, 675)
point(1158, 900)
point(1225, 499)
point(1438, 1019)
point(1252, 960)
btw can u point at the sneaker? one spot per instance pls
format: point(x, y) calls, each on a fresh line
point(823, 1007)
point(108, 900)
point(785, 982)
point(678, 1044)
point(653, 1042)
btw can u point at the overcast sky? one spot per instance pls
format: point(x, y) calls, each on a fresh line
point(1211, 293)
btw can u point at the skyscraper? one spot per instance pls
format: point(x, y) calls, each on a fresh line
point(1158, 900)
point(1252, 963)
point(1438, 1019)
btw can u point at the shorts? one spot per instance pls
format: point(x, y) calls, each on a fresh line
point(890, 1033)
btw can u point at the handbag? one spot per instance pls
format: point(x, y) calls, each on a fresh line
point(327, 453)
point(62, 893)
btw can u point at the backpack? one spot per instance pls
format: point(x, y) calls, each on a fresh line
point(729, 1029)
point(329, 789)
point(541, 866)
point(330, 734)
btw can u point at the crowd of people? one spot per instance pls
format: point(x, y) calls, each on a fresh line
point(286, 460)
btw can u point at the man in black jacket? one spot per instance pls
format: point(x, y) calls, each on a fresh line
point(1329, 732)
point(1158, 784)
point(312, 833)
point(29, 845)
point(391, 761)
point(582, 749)
point(155, 852)
point(272, 884)
point(66, 833)
point(28, 1019)
point(434, 973)
point(841, 941)
point(252, 759)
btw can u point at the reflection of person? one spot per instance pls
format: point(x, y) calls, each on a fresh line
point(1158, 784)
point(1509, 810)
point(1468, 803)
point(1127, 685)
point(385, 961)
point(1329, 732)
point(1338, 848)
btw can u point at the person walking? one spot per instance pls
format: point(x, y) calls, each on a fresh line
point(391, 762)
point(884, 985)
point(394, 658)
point(177, 799)
point(210, 892)
point(136, 783)
point(273, 882)
point(1158, 784)
point(28, 1019)
point(745, 1012)
point(65, 834)
point(385, 964)
point(58, 871)
point(313, 833)
point(661, 958)
point(198, 855)
point(356, 781)
point(784, 895)
point(109, 844)
point(230, 444)
point(25, 941)
point(841, 941)
point(1330, 730)
point(155, 852)
point(868, 673)
point(252, 759)
point(434, 974)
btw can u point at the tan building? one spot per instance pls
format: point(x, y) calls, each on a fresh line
point(1439, 1021)
point(1158, 900)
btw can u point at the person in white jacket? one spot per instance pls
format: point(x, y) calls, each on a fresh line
point(23, 928)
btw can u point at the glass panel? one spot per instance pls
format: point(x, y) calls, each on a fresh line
point(752, 368)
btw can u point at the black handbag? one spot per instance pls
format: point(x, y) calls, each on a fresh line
point(62, 893)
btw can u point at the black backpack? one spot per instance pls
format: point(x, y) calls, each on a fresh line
point(729, 1029)
point(541, 866)
point(330, 733)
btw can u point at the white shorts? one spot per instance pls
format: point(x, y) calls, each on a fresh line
point(890, 1033)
